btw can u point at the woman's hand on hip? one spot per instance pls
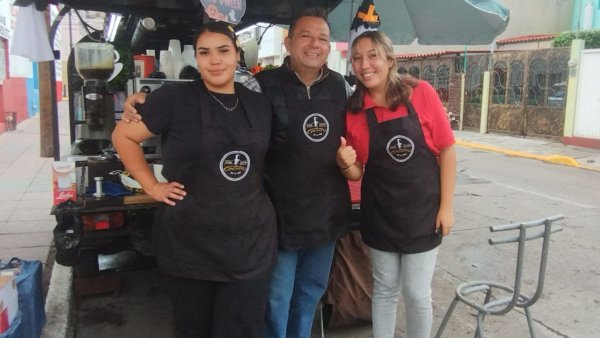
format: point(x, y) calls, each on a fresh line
point(167, 192)
point(130, 114)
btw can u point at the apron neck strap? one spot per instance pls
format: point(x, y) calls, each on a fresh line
point(411, 109)
point(247, 105)
point(372, 119)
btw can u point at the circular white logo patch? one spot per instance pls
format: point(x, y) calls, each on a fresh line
point(235, 165)
point(400, 148)
point(316, 127)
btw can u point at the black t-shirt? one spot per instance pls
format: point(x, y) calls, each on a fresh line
point(173, 111)
point(158, 114)
point(222, 117)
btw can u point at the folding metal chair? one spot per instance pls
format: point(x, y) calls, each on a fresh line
point(514, 298)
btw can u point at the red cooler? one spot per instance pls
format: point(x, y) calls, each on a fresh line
point(144, 65)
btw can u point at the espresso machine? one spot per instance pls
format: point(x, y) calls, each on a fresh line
point(95, 115)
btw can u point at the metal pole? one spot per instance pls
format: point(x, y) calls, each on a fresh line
point(465, 61)
point(462, 90)
point(491, 58)
point(54, 103)
point(70, 32)
point(348, 63)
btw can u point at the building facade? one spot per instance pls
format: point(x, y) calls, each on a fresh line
point(19, 83)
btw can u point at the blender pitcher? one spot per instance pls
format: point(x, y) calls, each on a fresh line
point(94, 60)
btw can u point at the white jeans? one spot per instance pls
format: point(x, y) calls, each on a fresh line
point(411, 273)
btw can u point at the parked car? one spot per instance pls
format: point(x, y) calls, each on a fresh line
point(557, 94)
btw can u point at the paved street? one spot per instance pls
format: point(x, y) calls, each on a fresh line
point(494, 189)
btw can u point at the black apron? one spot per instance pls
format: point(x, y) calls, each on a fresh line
point(224, 229)
point(400, 194)
point(312, 199)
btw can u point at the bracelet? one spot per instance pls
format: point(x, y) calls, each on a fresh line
point(348, 167)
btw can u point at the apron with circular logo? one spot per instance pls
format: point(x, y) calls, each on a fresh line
point(311, 196)
point(224, 229)
point(400, 194)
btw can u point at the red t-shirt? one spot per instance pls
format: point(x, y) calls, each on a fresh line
point(431, 113)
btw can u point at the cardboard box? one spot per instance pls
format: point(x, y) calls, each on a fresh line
point(9, 300)
point(3, 319)
point(64, 182)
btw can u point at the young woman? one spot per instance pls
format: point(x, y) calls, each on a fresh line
point(216, 231)
point(397, 130)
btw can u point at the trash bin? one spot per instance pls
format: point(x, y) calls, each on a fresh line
point(10, 120)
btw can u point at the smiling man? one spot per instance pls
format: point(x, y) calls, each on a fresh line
point(310, 194)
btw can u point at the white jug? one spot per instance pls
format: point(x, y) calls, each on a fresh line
point(188, 56)
point(177, 67)
point(175, 49)
point(166, 64)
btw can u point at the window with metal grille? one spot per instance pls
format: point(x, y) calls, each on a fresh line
point(537, 81)
point(499, 84)
point(474, 87)
point(556, 95)
point(515, 88)
point(428, 75)
point(442, 85)
point(414, 72)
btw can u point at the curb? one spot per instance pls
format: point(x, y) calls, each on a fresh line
point(555, 159)
point(60, 321)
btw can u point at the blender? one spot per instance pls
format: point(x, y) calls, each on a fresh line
point(94, 62)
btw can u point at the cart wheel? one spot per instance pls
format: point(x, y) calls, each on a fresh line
point(327, 311)
point(454, 125)
point(87, 264)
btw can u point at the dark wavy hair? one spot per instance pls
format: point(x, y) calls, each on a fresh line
point(398, 87)
point(217, 27)
point(316, 12)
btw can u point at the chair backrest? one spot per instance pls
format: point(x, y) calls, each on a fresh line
point(548, 229)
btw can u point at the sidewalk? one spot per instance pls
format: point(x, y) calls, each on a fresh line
point(25, 182)
point(26, 185)
point(26, 195)
point(539, 149)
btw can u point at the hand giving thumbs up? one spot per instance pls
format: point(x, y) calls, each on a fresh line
point(346, 155)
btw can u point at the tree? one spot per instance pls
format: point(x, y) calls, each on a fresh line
point(592, 39)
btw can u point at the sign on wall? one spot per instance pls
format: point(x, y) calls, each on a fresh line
point(230, 11)
point(2, 62)
point(5, 19)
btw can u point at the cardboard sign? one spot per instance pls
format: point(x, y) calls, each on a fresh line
point(230, 11)
point(9, 301)
point(64, 181)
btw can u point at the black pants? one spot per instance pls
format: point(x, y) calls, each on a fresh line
point(219, 309)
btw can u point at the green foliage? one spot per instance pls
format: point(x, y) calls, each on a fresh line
point(269, 66)
point(592, 39)
point(119, 83)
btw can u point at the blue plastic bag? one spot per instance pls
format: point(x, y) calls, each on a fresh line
point(31, 301)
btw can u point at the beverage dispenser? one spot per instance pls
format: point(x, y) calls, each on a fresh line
point(94, 62)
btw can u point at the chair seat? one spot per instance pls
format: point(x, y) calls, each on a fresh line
point(497, 306)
